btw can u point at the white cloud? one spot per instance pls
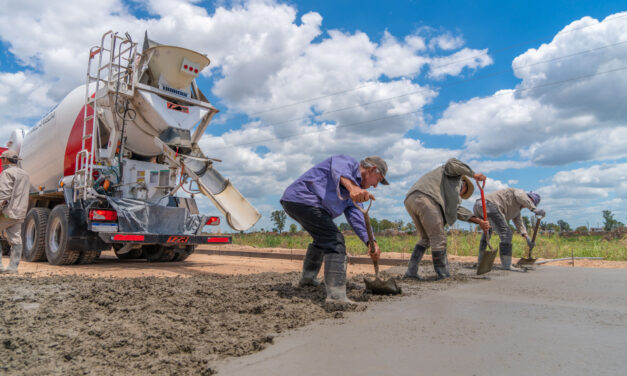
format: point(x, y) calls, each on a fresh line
point(446, 41)
point(454, 64)
point(576, 119)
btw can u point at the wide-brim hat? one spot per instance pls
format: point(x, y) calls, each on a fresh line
point(10, 155)
point(470, 187)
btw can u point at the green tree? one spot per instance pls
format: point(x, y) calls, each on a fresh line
point(279, 217)
point(581, 229)
point(293, 228)
point(563, 225)
point(375, 224)
point(526, 221)
point(399, 225)
point(386, 225)
point(609, 223)
point(410, 227)
point(344, 226)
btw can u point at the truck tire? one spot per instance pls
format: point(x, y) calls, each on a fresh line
point(6, 248)
point(57, 251)
point(34, 234)
point(183, 254)
point(158, 253)
point(87, 257)
point(130, 255)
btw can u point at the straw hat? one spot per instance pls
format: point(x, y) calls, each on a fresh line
point(470, 188)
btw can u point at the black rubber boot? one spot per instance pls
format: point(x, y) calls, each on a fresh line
point(440, 264)
point(414, 261)
point(311, 267)
point(505, 252)
point(335, 278)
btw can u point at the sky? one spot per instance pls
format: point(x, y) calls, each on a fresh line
point(529, 93)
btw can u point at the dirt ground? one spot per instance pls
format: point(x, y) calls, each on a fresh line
point(124, 317)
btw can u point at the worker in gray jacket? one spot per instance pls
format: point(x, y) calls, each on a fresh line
point(14, 189)
point(501, 206)
point(433, 202)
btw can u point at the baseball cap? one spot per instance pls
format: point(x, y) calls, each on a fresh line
point(380, 164)
point(534, 197)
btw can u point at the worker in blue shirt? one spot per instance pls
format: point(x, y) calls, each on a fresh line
point(330, 188)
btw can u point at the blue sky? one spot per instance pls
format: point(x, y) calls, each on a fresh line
point(456, 57)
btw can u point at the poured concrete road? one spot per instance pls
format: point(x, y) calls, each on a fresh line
point(551, 321)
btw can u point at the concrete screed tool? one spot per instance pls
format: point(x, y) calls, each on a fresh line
point(529, 260)
point(485, 265)
point(377, 286)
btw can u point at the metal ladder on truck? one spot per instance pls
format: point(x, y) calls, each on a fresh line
point(112, 76)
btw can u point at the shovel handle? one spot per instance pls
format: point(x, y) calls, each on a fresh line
point(535, 230)
point(365, 211)
point(481, 185)
point(370, 234)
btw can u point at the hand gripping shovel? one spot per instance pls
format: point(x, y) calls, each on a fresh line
point(485, 265)
point(376, 285)
point(529, 260)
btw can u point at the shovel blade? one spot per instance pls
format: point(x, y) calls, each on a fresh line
point(382, 287)
point(526, 261)
point(486, 262)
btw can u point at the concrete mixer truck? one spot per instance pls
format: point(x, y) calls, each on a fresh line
point(109, 164)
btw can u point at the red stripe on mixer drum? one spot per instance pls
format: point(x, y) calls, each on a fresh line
point(74, 142)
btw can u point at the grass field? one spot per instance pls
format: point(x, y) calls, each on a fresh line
point(463, 244)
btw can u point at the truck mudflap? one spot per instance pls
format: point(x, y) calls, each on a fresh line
point(123, 237)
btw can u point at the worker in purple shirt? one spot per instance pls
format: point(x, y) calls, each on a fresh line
point(324, 192)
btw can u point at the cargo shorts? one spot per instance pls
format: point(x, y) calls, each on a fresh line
point(429, 220)
point(11, 229)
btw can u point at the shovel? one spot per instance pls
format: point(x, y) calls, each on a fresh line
point(529, 260)
point(488, 256)
point(377, 286)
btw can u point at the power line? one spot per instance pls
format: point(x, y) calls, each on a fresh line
point(556, 83)
point(255, 114)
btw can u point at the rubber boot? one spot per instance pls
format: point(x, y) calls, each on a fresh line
point(414, 261)
point(505, 253)
point(311, 267)
point(335, 278)
point(16, 256)
point(440, 264)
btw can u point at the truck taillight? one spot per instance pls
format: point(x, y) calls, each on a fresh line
point(103, 215)
point(213, 221)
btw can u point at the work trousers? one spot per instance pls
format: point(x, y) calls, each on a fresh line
point(319, 224)
point(498, 223)
point(429, 220)
point(11, 229)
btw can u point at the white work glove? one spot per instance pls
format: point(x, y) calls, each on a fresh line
point(530, 243)
point(540, 212)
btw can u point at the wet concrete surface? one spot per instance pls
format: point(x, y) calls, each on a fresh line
point(74, 324)
point(550, 321)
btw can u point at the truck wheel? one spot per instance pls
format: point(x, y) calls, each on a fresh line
point(57, 251)
point(87, 257)
point(34, 234)
point(132, 254)
point(183, 254)
point(158, 253)
point(6, 248)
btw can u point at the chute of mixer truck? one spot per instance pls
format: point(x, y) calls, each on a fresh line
point(110, 164)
